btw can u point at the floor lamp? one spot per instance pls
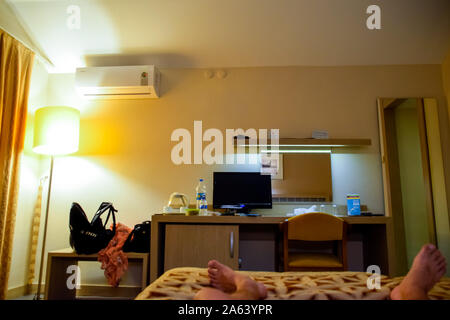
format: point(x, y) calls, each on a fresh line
point(56, 132)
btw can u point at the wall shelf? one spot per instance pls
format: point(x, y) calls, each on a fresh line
point(312, 143)
point(334, 143)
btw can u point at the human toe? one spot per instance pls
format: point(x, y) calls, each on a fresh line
point(214, 264)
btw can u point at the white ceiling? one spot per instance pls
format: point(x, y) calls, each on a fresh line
point(237, 33)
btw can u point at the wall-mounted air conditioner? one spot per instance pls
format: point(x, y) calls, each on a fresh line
point(128, 82)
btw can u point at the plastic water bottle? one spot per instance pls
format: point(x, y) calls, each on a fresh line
point(203, 208)
point(201, 197)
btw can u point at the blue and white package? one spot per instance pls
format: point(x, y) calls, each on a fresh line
point(353, 205)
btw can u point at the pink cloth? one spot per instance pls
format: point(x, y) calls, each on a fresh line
point(114, 260)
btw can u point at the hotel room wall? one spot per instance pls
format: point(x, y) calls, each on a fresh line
point(125, 145)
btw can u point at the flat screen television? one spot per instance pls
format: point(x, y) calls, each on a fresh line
point(242, 191)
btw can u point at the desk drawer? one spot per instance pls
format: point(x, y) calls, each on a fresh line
point(194, 245)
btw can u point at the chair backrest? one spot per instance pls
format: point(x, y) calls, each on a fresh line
point(315, 226)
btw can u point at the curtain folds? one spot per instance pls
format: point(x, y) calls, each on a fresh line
point(16, 62)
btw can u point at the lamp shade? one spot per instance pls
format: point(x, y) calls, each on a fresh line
point(56, 130)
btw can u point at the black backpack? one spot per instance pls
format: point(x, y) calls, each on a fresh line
point(139, 239)
point(90, 237)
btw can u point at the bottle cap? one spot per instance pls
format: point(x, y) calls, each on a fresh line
point(201, 179)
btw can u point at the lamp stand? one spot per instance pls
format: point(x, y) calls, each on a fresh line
point(38, 293)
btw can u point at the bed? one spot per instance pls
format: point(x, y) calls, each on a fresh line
point(184, 283)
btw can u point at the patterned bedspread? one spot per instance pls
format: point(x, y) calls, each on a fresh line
point(184, 283)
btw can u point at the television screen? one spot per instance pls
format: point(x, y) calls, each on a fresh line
point(246, 190)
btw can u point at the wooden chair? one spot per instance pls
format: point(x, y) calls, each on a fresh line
point(319, 228)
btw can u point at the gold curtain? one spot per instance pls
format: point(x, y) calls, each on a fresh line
point(16, 62)
point(34, 237)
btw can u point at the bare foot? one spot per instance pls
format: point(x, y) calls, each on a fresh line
point(428, 267)
point(239, 286)
point(249, 289)
point(221, 276)
point(212, 294)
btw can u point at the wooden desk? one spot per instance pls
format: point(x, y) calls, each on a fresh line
point(58, 261)
point(249, 242)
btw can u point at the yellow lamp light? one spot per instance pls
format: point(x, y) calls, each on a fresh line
point(56, 130)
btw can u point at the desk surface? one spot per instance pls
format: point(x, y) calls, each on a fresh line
point(178, 218)
point(378, 230)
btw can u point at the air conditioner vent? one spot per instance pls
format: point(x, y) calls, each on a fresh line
point(129, 82)
point(297, 199)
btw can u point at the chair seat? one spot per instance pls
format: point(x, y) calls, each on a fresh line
point(317, 260)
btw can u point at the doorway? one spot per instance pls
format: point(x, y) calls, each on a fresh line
point(407, 131)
